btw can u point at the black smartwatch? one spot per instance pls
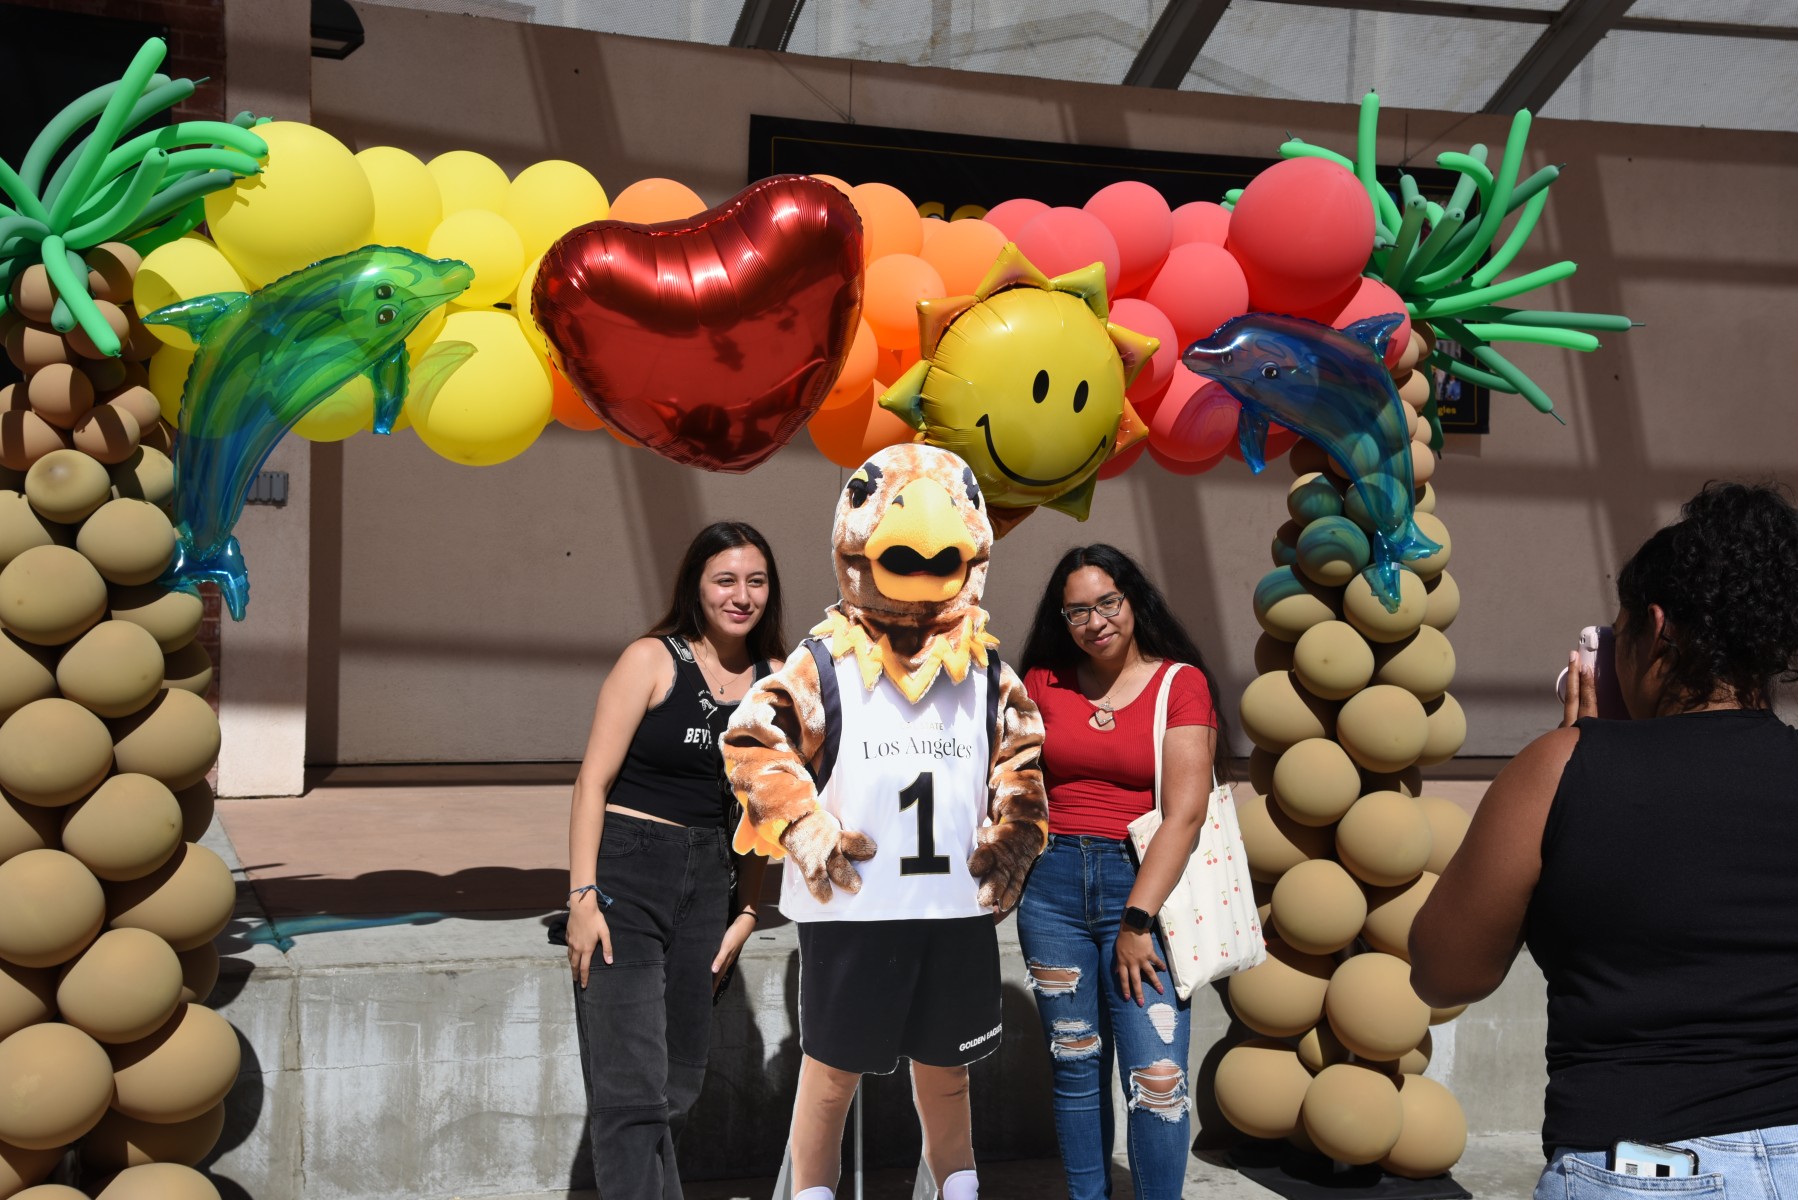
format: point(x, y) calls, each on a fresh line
point(1137, 921)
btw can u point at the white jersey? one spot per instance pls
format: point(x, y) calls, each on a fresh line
point(914, 777)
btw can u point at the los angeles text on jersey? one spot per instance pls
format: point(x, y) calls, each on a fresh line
point(919, 747)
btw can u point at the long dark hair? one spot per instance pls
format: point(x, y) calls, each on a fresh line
point(767, 639)
point(1726, 575)
point(1159, 633)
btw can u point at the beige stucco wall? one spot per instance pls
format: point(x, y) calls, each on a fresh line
point(469, 615)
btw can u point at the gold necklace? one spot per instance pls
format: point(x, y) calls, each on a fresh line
point(1104, 716)
point(718, 690)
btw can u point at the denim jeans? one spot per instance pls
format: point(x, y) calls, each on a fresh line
point(1067, 925)
point(645, 1021)
point(1761, 1164)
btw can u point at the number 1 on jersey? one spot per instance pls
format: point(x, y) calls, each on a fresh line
point(922, 792)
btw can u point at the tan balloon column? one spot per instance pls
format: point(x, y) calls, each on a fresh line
point(108, 906)
point(1343, 839)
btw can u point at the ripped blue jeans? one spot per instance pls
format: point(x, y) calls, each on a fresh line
point(1067, 926)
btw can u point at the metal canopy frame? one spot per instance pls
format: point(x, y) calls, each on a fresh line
point(1569, 35)
point(765, 24)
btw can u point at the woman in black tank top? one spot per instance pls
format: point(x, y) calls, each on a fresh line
point(653, 926)
point(1648, 864)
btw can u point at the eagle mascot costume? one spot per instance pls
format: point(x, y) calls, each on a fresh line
point(894, 763)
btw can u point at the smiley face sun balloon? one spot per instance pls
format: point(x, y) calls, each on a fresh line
point(1024, 380)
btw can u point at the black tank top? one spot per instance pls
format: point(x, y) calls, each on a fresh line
point(674, 769)
point(1666, 921)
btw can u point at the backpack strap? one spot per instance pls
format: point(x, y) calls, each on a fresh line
point(833, 710)
point(993, 687)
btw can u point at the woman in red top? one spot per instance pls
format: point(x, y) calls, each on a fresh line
point(1101, 643)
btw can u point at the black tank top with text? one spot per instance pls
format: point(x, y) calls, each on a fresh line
point(674, 769)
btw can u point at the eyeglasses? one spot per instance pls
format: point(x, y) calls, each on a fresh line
point(1080, 614)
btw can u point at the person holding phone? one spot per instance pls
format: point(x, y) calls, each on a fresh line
point(1101, 642)
point(1648, 865)
point(653, 926)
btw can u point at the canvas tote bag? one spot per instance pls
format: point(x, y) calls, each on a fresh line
point(1208, 923)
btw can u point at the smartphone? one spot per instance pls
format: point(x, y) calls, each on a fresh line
point(1649, 1161)
point(1597, 654)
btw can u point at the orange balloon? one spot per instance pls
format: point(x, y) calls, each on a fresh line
point(962, 253)
point(838, 184)
point(890, 221)
point(858, 369)
point(850, 434)
point(652, 201)
point(891, 289)
point(566, 405)
point(894, 363)
point(929, 227)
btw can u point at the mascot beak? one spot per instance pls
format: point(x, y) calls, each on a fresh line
point(920, 549)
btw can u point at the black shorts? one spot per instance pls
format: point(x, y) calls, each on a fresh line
point(873, 992)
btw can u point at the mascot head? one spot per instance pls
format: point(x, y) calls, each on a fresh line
point(912, 538)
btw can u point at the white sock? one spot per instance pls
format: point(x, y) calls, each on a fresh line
point(963, 1185)
point(816, 1193)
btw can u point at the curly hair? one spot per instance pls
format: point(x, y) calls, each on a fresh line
point(1159, 633)
point(1726, 575)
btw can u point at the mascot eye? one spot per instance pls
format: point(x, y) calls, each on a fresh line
point(387, 314)
point(973, 486)
point(1269, 371)
point(862, 484)
point(1080, 396)
point(1040, 389)
point(384, 292)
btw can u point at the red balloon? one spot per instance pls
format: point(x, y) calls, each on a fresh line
point(710, 340)
point(1201, 221)
point(1302, 231)
point(1138, 220)
point(1370, 298)
point(1196, 420)
point(1067, 239)
point(1010, 216)
point(1145, 318)
point(1183, 468)
point(1117, 466)
point(1199, 287)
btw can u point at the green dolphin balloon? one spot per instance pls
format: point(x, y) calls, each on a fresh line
point(265, 359)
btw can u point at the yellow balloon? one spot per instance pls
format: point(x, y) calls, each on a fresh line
point(495, 404)
point(550, 198)
point(186, 267)
point(311, 201)
point(521, 308)
point(487, 242)
point(168, 376)
point(468, 180)
point(408, 204)
point(351, 408)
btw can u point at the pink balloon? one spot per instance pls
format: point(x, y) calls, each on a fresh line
point(1138, 219)
point(1184, 468)
point(1012, 215)
point(1067, 239)
point(1117, 466)
point(1145, 318)
point(1370, 298)
point(1302, 231)
point(1199, 287)
point(1201, 221)
point(1195, 421)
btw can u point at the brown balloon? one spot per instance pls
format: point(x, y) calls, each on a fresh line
point(123, 987)
point(1390, 912)
point(1352, 1113)
point(1260, 1085)
point(187, 901)
point(112, 271)
point(199, 973)
point(189, 668)
point(174, 738)
point(1277, 713)
point(60, 394)
point(1384, 839)
point(58, 1082)
point(115, 318)
point(27, 996)
point(1274, 842)
point(26, 437)
point(33, 295)
point(1448, 825)
point(1373, 1010)
point(108, 434)
point(114, 670)
point(26, 827)
point(51, 908)
point(180, 1071)
point(130, 826)
point(32, 347)
point(1315, 782)
point(146, 475)
point(21, 1168)
point(53, 752)
point(1318, 908)
point(130, 542)
point(67, 486)
point(21, 527)
point(25, 674)
point(1282, 996)
point(137, 400)
point(171, 616)
point(119, 1141)
point(1434, 1133)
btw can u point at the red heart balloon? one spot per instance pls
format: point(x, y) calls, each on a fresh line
point(714, 339)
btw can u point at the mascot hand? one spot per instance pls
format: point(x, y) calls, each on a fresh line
point(826, 853)
point(1002, 861)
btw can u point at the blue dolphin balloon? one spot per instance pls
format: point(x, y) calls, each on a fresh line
point(266, 359)
point(1332, 386)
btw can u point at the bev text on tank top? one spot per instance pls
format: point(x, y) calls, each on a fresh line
point(914, 778)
